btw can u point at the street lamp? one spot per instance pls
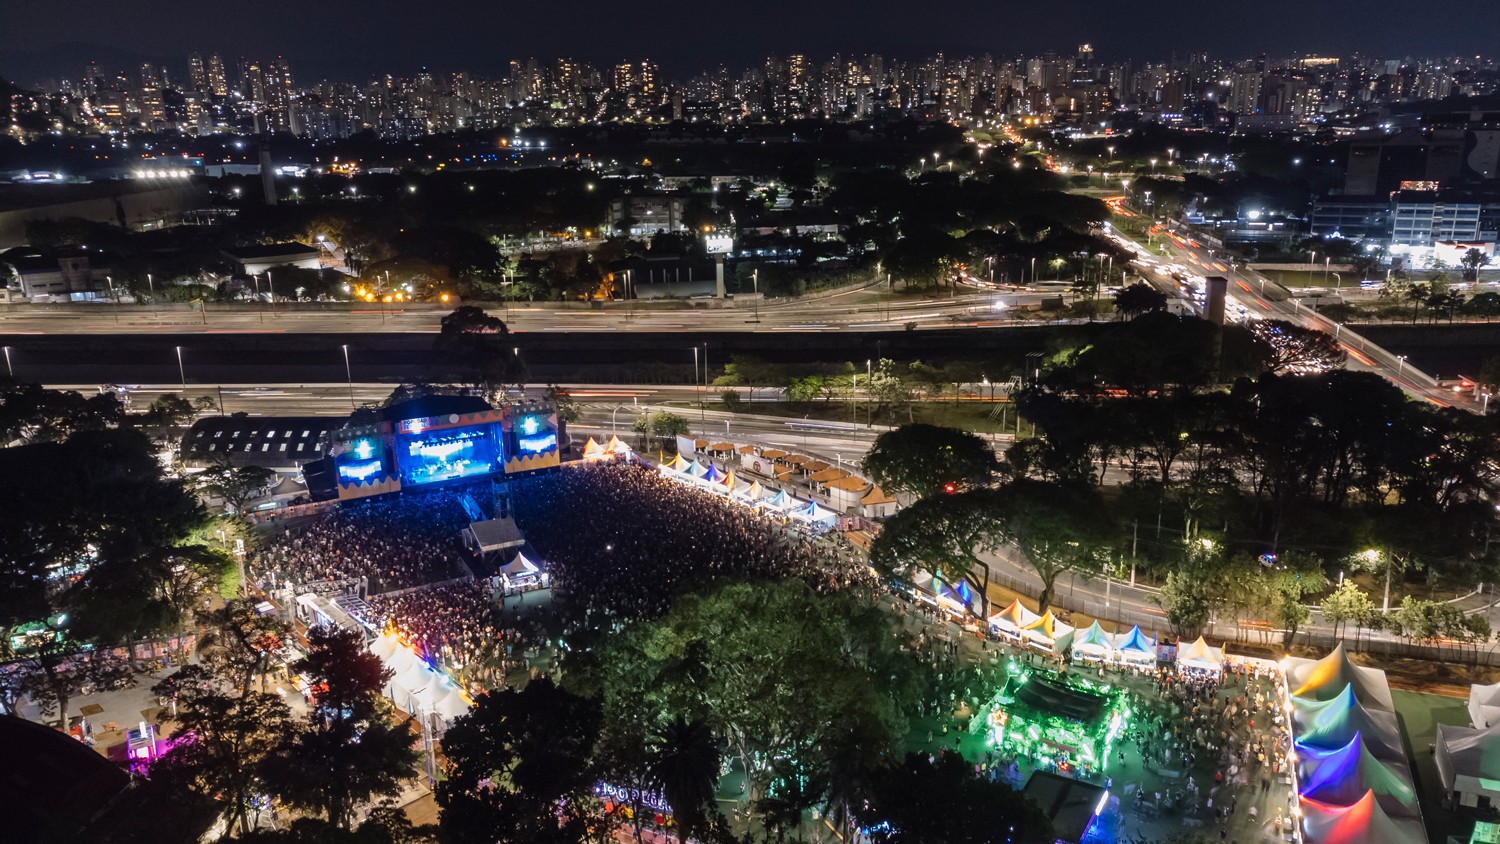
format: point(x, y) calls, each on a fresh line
point(181, 373)
point(1400, 364)
point(152, 286)
point(270, 293)
point(9, 370)
point(348, 374)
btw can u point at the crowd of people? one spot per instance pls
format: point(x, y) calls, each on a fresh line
point(622, 541)
point(368, 547)
point(463, 628)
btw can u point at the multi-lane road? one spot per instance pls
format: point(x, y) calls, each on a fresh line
point(1261, 298)
point(863, 308)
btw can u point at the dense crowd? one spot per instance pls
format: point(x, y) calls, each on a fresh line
point(368, 547)
point(622, 541)
point(461, 627)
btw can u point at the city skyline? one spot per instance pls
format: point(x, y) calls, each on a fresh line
point(387, 40)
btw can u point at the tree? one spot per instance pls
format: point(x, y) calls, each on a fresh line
point(236, 485)
point(224, 739)
point(476, 349)
point(237, 642)
point(352, 748)
point(563, 403)
point(1473, 261)
point(520, 768)
point(684, 767)
point(923, 460)
point(661, 425)
point(96, 549)
point(890, 389)
point(36, 414)
point(1489, 375)
point(942, 801)
point(1346, 603)
point(1287, 588)
point(1059, 527)
point(1139, 298)
point(797, 683)
point(1296, 350)
point(945, 535)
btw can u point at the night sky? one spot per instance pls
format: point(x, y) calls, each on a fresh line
point(350, 39)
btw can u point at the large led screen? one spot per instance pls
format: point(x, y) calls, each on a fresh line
point(435, 456)
point(361, 461)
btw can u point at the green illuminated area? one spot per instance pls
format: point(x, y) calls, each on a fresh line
point(1060, 722)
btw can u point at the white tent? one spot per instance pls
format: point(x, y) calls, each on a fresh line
point(1048, 633)
point(1135, 648)
point(1202, 656)
point(451, 706)
point(1093, 643)
point(402, 659)
point(1468, 762)
point(1484, 705)
point(519, 566)
point(1326, 678)
point(383, 647)
point(1013, 619)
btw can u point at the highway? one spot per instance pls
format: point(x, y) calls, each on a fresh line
point(1262, 298)
point(863, 308)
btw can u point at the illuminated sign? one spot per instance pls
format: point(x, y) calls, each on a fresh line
point(619, 794)
point(359, 471)
point(364, 449)
point(534, 445)
point(530, 425)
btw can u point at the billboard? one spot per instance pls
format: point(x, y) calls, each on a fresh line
point(532, 436)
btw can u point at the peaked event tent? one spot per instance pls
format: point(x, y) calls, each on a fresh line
point(1135, 647)
point(1341, 777)
point(1326, 678)
point(1468, 762)
point(1202, 656)
point(1013, 619)
point(1093, 642)
point(520, 565)
point(1364, 822)
point(676, 464)
point(615, 446)
point(710, 475)
point(1331, 724)
point(1047, 632)
point(592, 451)
point(1484, 705)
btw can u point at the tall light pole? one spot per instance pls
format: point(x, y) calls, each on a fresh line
point(271, 293)
point(181, 373)
point(348, 374)
point(695, 368)
point(111, 282)
point(703, 396)
point(152, 286)
point(9, 370)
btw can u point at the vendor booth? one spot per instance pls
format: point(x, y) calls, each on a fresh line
point(1048, 634)
point(1135, 648)
point(1200, 656)
point(1093, 645)
point(1010, 621)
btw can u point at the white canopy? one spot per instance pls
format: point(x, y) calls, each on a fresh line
point(1468, 762)
point(383, 647)
point(402, 659)
point(1200, 655)
point(1484, 705)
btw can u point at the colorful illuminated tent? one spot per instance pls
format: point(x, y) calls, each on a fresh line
point(1093, 643)
point(1202, 656)
point(1013, 619)
point(1330, 724)
point(592, 451)
point(1135, 647)
point(615, 446)
point(729, 481)
point(693, 470)
point(711, 475)
point(1468, 762)
point(1363, 822)
point(1484, 705)
point(1047, 632)
point(754, 494)
point(676, 464)
point(814, 515)
point(1326, 678)
point(1341, 777)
